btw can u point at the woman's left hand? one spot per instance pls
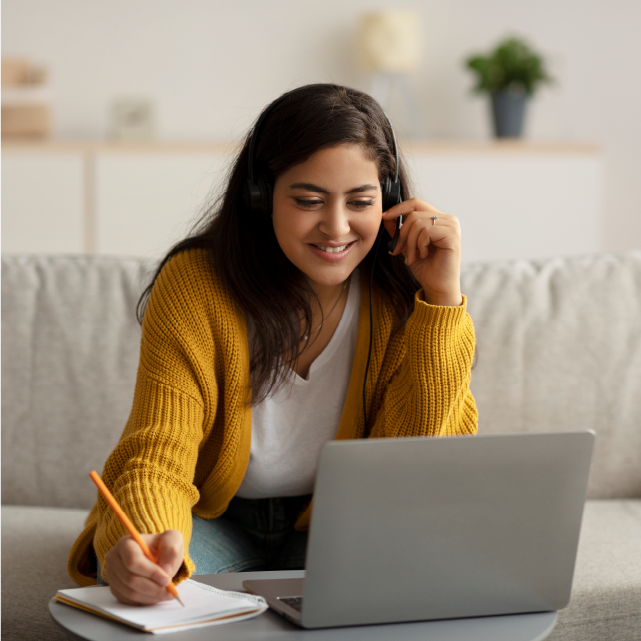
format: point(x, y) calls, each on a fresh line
point(432, 249)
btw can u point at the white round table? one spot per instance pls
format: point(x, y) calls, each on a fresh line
point(272, 627)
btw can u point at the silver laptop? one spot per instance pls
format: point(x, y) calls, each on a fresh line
point(415, 529)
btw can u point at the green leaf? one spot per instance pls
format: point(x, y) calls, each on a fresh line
point(513, 66)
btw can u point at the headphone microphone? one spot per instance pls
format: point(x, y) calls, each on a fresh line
point(258, 200)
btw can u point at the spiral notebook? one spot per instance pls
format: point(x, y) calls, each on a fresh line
point(204, 606)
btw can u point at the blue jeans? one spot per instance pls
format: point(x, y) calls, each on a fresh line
point(253, 534)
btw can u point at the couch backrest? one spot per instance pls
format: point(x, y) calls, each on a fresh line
point(559, 348)
point(70, 347)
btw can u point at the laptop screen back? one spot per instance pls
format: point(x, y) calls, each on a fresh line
point(429, 528)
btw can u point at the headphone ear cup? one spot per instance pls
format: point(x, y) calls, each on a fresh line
point(251, 196)
point(385, 189)
point(391, 197)
point(257, 196)
point(267, 195)
point(391, 193)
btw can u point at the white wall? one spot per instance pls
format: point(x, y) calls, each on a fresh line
point(210, 65)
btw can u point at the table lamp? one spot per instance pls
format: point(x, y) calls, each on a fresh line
point(389, 47)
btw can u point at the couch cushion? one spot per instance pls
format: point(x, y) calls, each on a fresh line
point(35, 548)
point(606, 592)
point(559, 348)
point(70, 346)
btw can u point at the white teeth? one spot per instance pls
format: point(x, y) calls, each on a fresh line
point(332, 250)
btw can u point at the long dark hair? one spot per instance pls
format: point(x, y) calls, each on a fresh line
point(244, 251)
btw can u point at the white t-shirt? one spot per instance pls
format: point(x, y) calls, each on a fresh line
point(290, 427)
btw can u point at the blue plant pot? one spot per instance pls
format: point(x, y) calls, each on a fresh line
point(508, 111)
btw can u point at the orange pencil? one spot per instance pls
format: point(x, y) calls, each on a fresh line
point(171, 588)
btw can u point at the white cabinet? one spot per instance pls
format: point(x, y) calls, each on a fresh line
point(517, 205)
point(514, 200)
point(147, 202)
point(42, 203)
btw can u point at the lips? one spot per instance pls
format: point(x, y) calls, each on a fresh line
point(332, 250)
point(332, 253)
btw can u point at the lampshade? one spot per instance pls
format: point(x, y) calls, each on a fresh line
point(390, 41)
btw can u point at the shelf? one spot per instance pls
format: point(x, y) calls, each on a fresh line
point(409, 147)
point(106, 146)
point(507, 146)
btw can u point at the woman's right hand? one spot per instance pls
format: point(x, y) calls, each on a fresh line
point(133, 578)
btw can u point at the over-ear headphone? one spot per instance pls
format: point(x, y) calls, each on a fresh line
point(258, 200)
point(258, 190)
point(392, 191)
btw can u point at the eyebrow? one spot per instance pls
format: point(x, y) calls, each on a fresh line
point(320, 190)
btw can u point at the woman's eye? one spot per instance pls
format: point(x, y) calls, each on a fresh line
point(307, 203)
point(361, 203)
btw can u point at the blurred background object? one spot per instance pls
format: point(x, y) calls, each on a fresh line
point(132, 119)
point(15, 72)
point(390, 50)
point(26, 100)
point(208, 68)
point(510, 75)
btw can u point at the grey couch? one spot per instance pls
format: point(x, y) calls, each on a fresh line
point(559, 348)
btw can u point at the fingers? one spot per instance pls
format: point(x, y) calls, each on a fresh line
point(431, 243)
point(169, 551)
point(418, 240)
point(136, 590)
point(423, 241)
point(420, 236)
point(408, 206)
point(419, 231)
point(133, 578)
point(413, 209)
point(390, 227)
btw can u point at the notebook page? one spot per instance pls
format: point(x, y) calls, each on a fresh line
point(202, 603)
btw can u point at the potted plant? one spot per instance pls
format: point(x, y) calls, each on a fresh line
point(510, 74)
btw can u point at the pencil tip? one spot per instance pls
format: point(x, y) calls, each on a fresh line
point(180, 600)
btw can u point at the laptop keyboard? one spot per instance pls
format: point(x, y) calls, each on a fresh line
point(295, 602)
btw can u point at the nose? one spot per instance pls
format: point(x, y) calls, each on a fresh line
point(335, 222)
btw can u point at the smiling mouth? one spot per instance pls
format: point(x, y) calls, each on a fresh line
point(333, 250)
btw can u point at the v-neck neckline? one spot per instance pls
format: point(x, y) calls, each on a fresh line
point(351, 309)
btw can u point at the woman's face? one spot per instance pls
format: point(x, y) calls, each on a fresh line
point(327, 212)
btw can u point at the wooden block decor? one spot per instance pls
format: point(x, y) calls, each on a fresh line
point(26, 121)
point(14, 72)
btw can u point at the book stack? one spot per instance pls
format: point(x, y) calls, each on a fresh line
point(26, 101)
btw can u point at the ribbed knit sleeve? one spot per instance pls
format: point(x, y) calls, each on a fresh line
point(188, 433)
point(422, 388)
point(151, 470)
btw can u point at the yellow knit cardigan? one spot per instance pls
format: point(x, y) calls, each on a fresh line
point(185, 447)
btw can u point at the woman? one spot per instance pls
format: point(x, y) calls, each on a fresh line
point(256, 349)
